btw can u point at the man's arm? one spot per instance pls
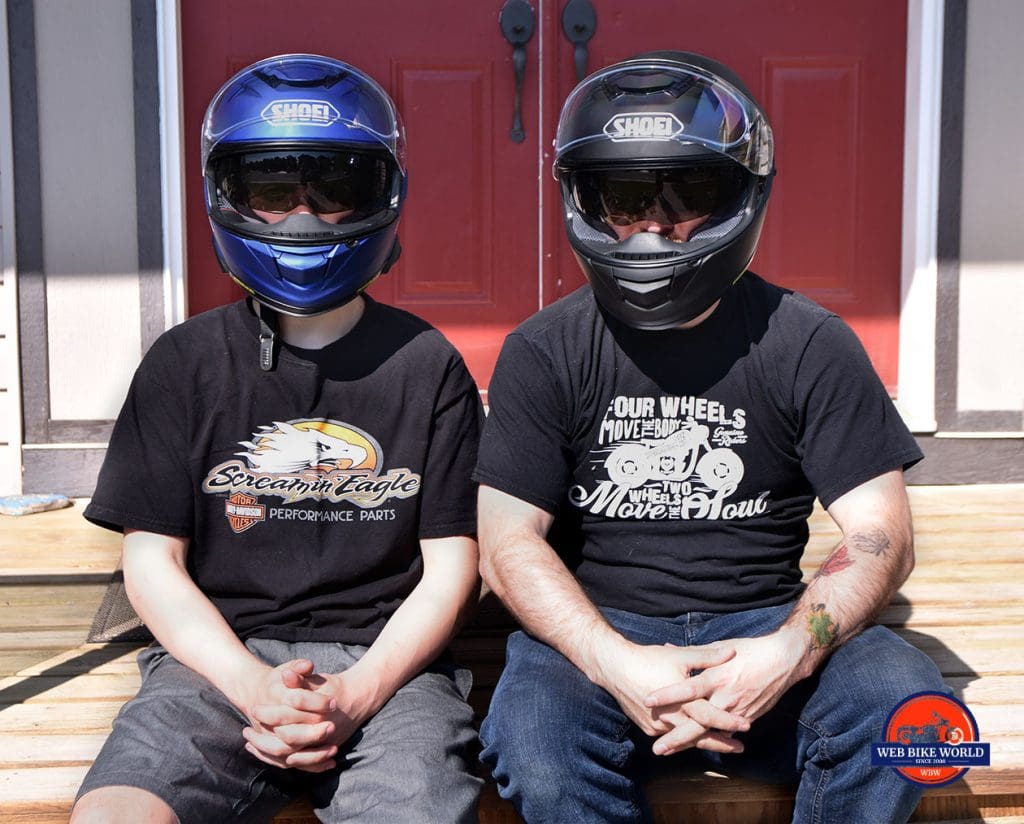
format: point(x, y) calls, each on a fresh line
point(532, 581)
point(860, 576)
point(191, 628)
point(413, 637)
point(527, 575)
point(855, 582)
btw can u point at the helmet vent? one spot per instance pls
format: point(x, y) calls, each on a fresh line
point(644, 256)
point(317, 82)
point(302, 235)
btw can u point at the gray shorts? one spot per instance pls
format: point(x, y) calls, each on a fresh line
point(181, 740)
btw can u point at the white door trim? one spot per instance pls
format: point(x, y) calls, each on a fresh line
point(11, 434)
point(172, 161)
point(919, 276)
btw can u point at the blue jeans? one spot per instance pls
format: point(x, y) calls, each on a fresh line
point(562, 750)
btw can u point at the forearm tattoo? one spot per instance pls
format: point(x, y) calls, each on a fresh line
point(876, 542)
point(836, 562)
point(822, 628)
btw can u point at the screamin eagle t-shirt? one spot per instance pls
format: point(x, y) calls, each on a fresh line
point(305, 490)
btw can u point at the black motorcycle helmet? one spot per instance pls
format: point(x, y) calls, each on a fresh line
point(665, 165)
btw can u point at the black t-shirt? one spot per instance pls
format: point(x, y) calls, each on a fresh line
point(304, 490)
point(681, 466)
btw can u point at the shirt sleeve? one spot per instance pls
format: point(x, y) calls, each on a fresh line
point(848, 428)
point(525, 449)
point(144, 482)
point(449, 492)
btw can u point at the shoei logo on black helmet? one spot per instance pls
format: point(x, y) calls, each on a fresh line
point(307, 112)
point(643, 126)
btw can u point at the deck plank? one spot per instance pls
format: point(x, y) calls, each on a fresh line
point(41, 689)
point(58, 717)
point(82, 658)
point(58, 638)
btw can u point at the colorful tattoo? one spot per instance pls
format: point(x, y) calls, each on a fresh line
point(876, 542)
point(821, 627)
point(836, 562)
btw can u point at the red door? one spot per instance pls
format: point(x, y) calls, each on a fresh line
point(482, 235)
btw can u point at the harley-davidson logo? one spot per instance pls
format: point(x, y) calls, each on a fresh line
point(244, 511)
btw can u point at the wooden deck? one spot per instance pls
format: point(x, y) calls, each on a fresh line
point(964, 606)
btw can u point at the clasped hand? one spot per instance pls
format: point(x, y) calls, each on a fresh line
point(692, 721)
point(298, 718)
point(741, 687)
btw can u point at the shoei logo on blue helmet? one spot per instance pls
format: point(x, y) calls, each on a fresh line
point(305, 112)
point(643, 126)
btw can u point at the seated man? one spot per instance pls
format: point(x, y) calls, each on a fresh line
point(292, 475)
point(654, 447)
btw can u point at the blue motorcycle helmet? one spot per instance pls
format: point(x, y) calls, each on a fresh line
point(304, 164)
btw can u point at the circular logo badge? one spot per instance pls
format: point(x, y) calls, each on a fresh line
point(931, 729)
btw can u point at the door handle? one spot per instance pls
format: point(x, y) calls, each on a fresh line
point(516, 21)
point(579, 22)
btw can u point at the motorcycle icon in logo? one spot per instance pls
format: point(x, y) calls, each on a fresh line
point(678, 457)
point(939, 732)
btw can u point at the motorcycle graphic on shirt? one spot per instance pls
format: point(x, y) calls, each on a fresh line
point(668, 458)
point(678, 457)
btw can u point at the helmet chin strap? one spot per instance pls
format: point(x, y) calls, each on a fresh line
point(268, 322)
point(268, 336)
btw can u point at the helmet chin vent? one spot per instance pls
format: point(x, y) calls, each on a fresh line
point(645, 295)
point(302, 235)
point(644, 255)
point(643, 288)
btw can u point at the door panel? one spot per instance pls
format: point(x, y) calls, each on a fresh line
point(831, 76)
point(449, 70)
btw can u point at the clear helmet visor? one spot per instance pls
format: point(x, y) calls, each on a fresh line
point(621, 196)
point(339, 186)
point(658, 104)
point(304, 194)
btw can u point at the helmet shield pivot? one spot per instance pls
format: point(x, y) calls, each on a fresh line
point(304, 163)
point(665, 165)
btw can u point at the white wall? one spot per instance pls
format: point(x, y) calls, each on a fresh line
point(87, 167)
point(991, 351)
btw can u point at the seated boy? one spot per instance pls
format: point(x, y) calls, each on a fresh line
point(292, 475)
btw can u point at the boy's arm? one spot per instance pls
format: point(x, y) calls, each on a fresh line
point(415, 635)
point(191, 628)
point(424, 624)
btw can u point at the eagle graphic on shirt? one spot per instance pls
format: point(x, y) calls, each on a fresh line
point(285, 447)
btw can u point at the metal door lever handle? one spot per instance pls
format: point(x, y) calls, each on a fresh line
point(579, 22)
point(516, 20)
